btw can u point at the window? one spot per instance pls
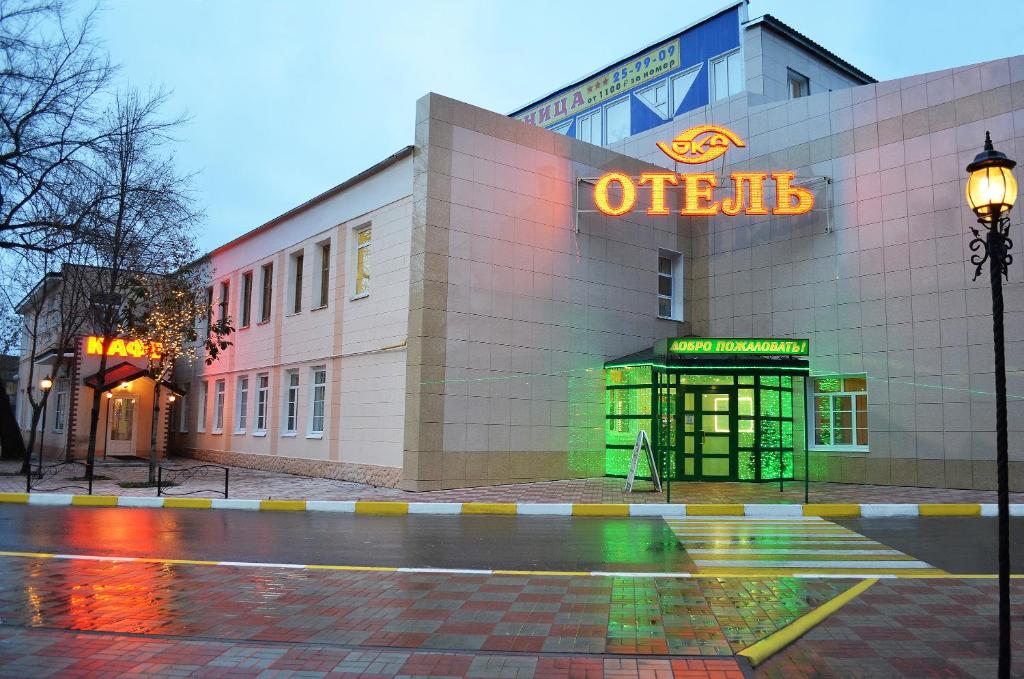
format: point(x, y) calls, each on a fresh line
point(60, 405)
point(241, 404)
point(588, 128)
point(266, 291)
point(656, 98)
point(297, 262)
point(246, 299)
point(799, 86)
point(839, 414)
point(262, 399)
point(681, 85)
point(364, 237)
point(209, 308)
point(317, 397)
point(325, 273)
point(727, 76)
point(204, 393)
point(183, 410)
point(562, 128)
point(291, 409)
point(670, 285)
point(218, 407)
point(222, 314)
point(616, 121)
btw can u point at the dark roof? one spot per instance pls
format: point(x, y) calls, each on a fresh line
point(810, 45)
point(125, 372)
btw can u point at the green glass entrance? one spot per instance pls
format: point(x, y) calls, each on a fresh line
point(706, 422)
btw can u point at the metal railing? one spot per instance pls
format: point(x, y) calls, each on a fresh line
point(172, 476)
point(38, 476)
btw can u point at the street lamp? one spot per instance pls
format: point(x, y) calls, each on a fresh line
point(45, 385)
point(991, 193)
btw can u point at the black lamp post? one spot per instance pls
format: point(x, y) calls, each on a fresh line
point(991, 193)
point(44, 385)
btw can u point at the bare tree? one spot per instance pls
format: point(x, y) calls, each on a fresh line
point(52, 79)
point(143, 226)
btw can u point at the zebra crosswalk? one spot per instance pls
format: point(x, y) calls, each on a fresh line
point(784, 546)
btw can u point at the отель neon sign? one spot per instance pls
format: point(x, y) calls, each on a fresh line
point(120, 347)
point(699, 145)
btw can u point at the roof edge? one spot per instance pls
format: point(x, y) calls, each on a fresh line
point(399, 155)
point(811, 46)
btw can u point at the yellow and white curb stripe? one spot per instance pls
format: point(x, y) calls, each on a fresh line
point(796, 544)
point(517, 508)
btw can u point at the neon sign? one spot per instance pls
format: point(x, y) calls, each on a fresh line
point(762, 346)
point(117, 346)
point(694, 146)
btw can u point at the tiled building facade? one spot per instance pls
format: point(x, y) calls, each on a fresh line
point(476, 354)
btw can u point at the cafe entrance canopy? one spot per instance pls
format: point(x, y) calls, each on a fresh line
point(716, 409)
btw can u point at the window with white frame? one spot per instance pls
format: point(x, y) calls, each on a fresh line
point(318, 397)
point(364, 240)
point(183, 410)
point(617, 119)
point(297, 261)
point(670, 285)
point(681, 85)
point(245, 312)
point(839, 412)
point(222, 314)
point(727, 75)
point(218, 406)
point(325, 274)
point(262, 401)
point(209, 308)
point(798, 85)
point(656, 98)
point(241, 404)
point(291, 403)
point(588, 128)
point(562, 128)
point(204, 396)
point(60, 405)
point(266, 291)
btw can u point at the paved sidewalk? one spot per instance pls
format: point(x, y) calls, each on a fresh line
point(414, 611)
point(252, 484)
point(907, 628)
point(56, 653)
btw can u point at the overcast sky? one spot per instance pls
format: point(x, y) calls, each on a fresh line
point(290, 98)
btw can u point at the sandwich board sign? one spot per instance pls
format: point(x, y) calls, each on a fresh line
point(642, 443)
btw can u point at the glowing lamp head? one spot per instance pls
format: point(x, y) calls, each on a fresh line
point(172, 398)
point(991, 186)
point(110, 395)
point(125, 386)
point(46, 384)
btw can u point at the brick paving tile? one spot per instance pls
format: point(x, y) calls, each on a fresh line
point(31, 653)
point(253, 484)
point(870, 638)
point(630, 616)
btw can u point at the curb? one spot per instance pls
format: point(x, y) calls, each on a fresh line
point(775, 642)
point(377, 508)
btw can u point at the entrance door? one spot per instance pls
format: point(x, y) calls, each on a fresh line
point(708, 446)
point(121, 437)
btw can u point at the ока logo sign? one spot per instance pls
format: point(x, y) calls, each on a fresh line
point(694, 146)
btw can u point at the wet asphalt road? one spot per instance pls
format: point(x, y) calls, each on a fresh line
point(955, 544)
point(958, 545)
point(487, 542)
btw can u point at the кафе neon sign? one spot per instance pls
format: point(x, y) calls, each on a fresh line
point(694, 146)
point(121, 347)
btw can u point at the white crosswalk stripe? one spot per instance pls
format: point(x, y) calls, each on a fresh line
point(775, 546)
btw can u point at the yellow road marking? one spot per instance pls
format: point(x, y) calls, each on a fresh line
point(388, 508)
point(15, 498)
point(283, 505)
point(715, 510)
point(188, 502)
point(949, 510)
point(489, 508)
point(600, 510)
point(94, 500)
